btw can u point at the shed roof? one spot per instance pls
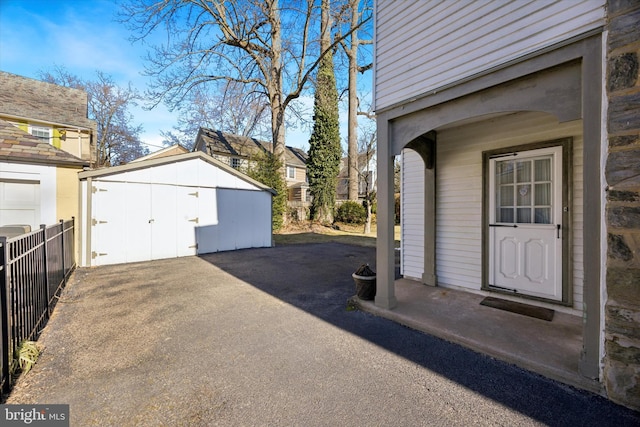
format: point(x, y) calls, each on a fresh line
point(18, 146)
point(218, 142)
point(143, 164)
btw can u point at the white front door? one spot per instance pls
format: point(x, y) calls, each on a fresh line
point(525, 223)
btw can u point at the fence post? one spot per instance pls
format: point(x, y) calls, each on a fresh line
point(43, 228)
point(5, 277)
point(62, 236)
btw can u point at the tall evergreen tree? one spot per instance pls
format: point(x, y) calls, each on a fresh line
point(325, 151)
point(265, 168)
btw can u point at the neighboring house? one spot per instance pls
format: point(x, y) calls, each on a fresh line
point(38, 182)
point(237, 151)
point(173, 206)
point(165, 152)
point(517, 126)
point(55, 114)
point(46, 140)
point(366, 177)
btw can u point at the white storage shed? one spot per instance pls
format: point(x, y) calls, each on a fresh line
point(182, 205)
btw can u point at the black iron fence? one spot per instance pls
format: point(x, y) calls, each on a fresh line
point(34, 268)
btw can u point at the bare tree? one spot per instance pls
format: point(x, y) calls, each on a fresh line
point(118, 139)
point(258, 43)
point(366, 173)
point(60, 76)
point(357, 12)
point(229, 109)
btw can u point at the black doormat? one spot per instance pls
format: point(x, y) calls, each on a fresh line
point(519, 308)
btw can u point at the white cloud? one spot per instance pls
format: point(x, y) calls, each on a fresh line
point(154, 121)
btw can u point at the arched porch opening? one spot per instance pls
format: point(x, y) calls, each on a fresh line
point(558, 84)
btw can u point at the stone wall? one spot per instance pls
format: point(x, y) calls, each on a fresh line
point(622, 309)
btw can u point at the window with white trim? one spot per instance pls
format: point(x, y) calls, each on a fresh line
point(291, 172)
point(236, 162)
point(41, 132)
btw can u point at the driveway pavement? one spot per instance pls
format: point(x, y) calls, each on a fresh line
point(263, 337)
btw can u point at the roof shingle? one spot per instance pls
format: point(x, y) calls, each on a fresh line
point(18, 146)
point(41, 101)
point(244, 146)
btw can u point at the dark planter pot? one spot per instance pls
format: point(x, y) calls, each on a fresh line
point(365, 286)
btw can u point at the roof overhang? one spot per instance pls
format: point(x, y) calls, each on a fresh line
point(144, 164)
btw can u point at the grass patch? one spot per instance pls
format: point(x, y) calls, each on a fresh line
point(25, 356)
point(308, 232)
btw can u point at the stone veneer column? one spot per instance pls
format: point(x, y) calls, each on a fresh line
point(622, 309)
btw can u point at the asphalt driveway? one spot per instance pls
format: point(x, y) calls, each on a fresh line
point(264, 337)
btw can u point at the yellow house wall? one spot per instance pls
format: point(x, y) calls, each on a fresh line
point(172, 152)
point(77, 143)
point(67, 193)
point(68, 199)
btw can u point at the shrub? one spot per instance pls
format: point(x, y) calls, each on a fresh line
point(351, 212)
point(266, 169)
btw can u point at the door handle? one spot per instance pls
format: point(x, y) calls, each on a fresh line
point(558, 228)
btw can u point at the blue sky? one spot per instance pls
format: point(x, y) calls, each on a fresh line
point(83, 36)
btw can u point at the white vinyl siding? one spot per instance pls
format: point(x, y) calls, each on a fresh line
point(411, 211)
point(422, 46)
point(42, 207)
point(459, 196)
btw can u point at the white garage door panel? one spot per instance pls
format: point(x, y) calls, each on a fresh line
point(137, 225)
point(187, 218)
point(20, 203)
point(208, 207)
point(108, 224)
point(121, 230)
point(163, 224)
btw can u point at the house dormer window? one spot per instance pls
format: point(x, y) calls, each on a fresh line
point(41, 132)
point(235, 163)
point(291, 172)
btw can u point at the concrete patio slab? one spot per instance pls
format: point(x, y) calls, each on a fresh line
point(550, 348)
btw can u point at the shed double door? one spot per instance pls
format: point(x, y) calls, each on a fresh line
point(140, 222)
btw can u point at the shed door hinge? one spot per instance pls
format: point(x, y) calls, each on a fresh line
point(96, 222)
point(95, 255)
